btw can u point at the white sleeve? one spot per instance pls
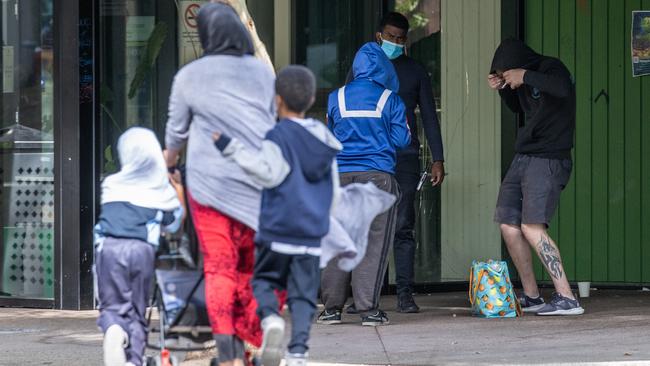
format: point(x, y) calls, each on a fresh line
point(266, 167)
point(336, 183)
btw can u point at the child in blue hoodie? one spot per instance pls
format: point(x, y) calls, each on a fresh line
point(296, 167)
point(138, 204)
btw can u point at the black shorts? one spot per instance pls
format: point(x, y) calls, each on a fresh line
point(530, 192)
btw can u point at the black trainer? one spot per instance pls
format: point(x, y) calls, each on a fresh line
point(561, 305)
point(352, 309)
point(531, 304)
point(329, 317)
point(375, 318)
point(406, 304)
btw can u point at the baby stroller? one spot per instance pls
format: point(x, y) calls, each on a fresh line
point(179, 300)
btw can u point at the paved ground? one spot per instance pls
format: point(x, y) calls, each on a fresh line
point(615, 330)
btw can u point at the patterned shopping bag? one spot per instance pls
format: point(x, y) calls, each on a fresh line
point(490, 291)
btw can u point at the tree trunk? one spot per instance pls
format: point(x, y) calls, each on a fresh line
point(242, 10)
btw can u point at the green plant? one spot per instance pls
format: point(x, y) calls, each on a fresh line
point(416, 18)
point(109, 161)
point(147, 63)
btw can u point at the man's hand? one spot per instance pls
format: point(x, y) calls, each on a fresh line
point(496, 82)
point(437, 173)
point(216, 136)
point(514, 78)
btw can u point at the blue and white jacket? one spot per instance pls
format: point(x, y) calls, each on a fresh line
point(368, 116)
point(124, 220)
point(296, 166)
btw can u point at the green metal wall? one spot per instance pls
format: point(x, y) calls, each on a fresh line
point(471, 128)
point(603, 224)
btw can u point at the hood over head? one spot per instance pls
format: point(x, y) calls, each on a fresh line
point(221, 31)
point(372, 63)
point(514, 54)
point(143, 180)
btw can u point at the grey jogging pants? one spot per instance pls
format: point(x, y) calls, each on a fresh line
point(367, 279)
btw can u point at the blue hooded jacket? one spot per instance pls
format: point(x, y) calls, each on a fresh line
point(368, 116)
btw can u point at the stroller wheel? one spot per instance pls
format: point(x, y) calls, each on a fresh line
point(150, 361)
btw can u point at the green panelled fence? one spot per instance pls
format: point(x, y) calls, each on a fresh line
point(603, 224)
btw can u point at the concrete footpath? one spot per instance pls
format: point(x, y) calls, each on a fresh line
point(614, 331)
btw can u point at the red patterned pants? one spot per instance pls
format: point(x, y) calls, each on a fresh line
point(229, 257)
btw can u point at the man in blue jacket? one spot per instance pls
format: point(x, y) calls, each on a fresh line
point(369, 119)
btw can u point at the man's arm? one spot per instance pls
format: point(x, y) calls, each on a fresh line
point(555, 81)
point(430, 121)
point(511, 98)
point(431, 127)
point(400, 136)
point(266, 167)
point(506, 91)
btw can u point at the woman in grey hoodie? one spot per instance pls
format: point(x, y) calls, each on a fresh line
point(231, 91)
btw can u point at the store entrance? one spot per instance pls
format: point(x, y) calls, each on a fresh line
point(27, 151)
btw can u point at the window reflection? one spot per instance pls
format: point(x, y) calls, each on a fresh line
point(26, 150)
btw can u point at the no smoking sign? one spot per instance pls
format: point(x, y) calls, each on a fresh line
point(191, 14)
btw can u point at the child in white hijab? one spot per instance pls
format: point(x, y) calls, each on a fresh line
point(139, 203)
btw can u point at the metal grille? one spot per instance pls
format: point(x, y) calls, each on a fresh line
point(27, 200)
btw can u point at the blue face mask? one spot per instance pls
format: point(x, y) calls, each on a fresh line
point(392, 50)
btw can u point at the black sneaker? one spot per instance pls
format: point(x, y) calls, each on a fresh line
point(375, 318)
point(329, 317)
point(530, 304)
point(561, 305)
point(352, 309)
point(406, 304)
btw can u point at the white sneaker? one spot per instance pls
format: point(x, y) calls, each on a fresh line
point(272, 344)
point(115, 340)
point(296, 359)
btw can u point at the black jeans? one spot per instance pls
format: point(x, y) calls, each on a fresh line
point(300, 276)
point(407, 175)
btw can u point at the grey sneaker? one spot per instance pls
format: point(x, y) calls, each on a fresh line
point(296, 359)
point(530, 304)
point(561, 305)
point(272, 347)
point(329, 317)
point(375, 318)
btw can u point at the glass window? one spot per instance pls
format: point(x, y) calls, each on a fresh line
point(328, 34)
point(141, 45)
point(126, 84)
point(26, 150)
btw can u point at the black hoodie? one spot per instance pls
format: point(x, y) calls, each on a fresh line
point(221, 31)
point(547, 99)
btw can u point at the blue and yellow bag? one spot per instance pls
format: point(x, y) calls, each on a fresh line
point(490, 291)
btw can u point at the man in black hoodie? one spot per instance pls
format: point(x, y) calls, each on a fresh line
point(542, 89)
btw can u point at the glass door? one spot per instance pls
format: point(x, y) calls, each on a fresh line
point(26, 150)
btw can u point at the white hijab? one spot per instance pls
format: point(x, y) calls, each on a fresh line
point(143, 180)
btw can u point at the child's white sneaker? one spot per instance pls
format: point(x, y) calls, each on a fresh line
point(296, 359)
point(115, 340)
point(272, 349)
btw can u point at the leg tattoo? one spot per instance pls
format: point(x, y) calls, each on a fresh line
point(551, 257)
